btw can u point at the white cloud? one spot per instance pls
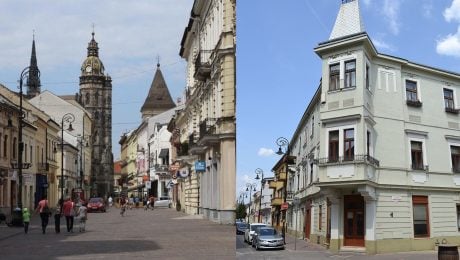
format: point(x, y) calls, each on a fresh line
point(453, 12)
point(382, 45)
point(367, 2)
point(427, 9)
point(265, 152)
point(449, 45)
point(391, 13)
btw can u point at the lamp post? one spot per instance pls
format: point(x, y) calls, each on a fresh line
point(250, 187)
point(82, 141)
point(17, 216)
point(262, 182)
point(281, 141)
point(67, 118)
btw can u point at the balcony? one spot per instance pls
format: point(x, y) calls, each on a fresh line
point(207, 127)
point(42, 166)
point(281, 176)
point(354, 159)
point(420, 167)
point(182, 149)
point(272, 185)
point(203, 65)
point(414, 103)
point(452, 110)
point(277, 201)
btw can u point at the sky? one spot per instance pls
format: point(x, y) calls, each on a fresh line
point(278, 72)
point(130, 34)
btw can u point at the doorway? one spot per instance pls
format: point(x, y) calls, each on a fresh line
point(307, 222)
point(353, 220)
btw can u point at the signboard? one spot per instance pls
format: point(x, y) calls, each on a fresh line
point(148, 184)
point(200, 166)
point(284, 206)
point(183, 173)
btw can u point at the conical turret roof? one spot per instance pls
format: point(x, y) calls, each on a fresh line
point(348, 20)
point(159, 99)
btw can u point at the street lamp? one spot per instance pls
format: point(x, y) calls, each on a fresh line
point(250, 187)
point(262, 182)
point(281, 141)
point(67, 118)
point(17, 216)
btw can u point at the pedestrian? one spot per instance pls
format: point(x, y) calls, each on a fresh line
point(110, 201)
point(44, 211)
point(82, 217)
point(152, 202)
point(26, 219)
point(57, 221)
point(69, 212)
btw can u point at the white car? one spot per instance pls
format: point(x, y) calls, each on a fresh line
point(163, 202)
point(250, 231)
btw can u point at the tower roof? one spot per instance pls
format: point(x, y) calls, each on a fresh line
point(159, 98)
point(348, 20)
point(92, 65)
point(33, 81)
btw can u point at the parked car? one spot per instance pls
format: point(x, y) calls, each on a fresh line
point(163, 202)
point(96, 204)
point(250, 231)
point(268, 237)
point(241, 227)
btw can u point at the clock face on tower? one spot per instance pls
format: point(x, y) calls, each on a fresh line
point(88, 68)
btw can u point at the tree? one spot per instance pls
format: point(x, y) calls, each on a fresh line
point(241, 211)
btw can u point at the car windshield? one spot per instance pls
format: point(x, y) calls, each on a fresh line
point(242, 225)
point(267, 232)
point(253, 227)
point(95, 200)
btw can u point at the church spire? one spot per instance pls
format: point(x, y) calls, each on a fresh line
point(348, 20)
point(33, 81)
point(93, 50)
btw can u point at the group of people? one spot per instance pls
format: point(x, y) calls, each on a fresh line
point(69, 209)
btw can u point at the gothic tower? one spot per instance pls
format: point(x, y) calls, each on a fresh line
point(159, 99)
point(33, 81)
point(96, 97)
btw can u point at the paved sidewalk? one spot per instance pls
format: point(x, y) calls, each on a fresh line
point(35, 224)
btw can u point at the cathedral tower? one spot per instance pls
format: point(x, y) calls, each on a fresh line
point(33, 81)
point(96, 97)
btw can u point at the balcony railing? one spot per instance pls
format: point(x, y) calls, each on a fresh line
point(203, 65)
point(207, 126)
point(419, 167)
point(414, 103)
point(452, 110)
point(357, 158)
point(182, 150)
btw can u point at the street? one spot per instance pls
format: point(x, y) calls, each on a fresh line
point(161, 234)
point(305, 250)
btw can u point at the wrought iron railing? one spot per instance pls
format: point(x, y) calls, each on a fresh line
point(420, 167)
point(207, 126)
point(357, 158)
point(203, 64)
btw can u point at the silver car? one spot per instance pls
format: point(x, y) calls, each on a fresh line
point(251, 229)
point(268, 237)
point(163, 202)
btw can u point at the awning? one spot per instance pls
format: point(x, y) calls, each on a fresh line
point(164, 153)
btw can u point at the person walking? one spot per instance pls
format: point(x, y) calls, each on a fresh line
point(44, 211)
point(69, 212)
point(110, 201)
point(82, 217)
point(57, 221)
point(26, 219)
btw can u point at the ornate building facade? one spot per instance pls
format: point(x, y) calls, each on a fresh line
point(96, 97)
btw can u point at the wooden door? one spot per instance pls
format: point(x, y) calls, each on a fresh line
point(307, 222)
point(354, 220)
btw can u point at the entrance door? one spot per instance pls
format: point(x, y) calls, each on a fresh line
point(307, 222)
point(354, 220)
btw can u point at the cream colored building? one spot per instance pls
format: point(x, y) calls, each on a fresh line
point(378, 149)
point(207, 122)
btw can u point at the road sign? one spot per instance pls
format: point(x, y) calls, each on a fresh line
point(284, 206)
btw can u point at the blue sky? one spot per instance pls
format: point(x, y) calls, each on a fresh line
point(131, 34)
point(278, 72)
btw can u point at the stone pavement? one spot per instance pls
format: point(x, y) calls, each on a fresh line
point(157, 234)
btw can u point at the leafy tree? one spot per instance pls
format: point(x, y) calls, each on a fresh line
point(241, 211)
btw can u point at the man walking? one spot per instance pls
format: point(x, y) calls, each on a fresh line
point(68, 210)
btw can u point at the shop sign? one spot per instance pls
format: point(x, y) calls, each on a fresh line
point(200, 166)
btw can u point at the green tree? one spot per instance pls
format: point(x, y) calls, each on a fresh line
point(241, 211)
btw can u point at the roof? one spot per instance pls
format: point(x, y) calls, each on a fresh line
point(159, 96)
point(348, 20)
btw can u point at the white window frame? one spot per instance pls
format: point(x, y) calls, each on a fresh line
point(367, 128)
point(387, 72)
point(341, 138)
point(419, 92)
point(453, 93)
point(341, 60)
point(367, 63)
point(452, 142)
point(415, 138)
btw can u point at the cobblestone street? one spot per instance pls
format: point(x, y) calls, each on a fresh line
point(159, 234)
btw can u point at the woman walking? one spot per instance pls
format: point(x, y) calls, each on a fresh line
point(44, 211)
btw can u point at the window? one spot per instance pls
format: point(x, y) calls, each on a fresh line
point(349, 144)
point(416, 155)
point(5, 146)
point(25, 153)
point(412, 95)
point(31, 156)
point(312, 126)
point(367, 77)
point(350, 74)
point(333, 146)
point(311, 173)
point(421, 216)
point(1, 144)
point(458, 217)
point(14, 148)
point(320, 217)
point(455, 156)
point(334, 76)
point(449, 98)
point(368, 143)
